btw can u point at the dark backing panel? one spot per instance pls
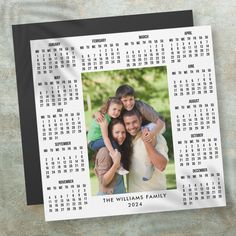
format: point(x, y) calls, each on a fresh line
point(22, 34)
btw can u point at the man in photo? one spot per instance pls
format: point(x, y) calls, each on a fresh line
point(144, 152)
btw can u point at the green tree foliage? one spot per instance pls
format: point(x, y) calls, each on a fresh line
point(150, 85)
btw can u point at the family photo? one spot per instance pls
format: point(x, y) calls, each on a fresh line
point(128, 128)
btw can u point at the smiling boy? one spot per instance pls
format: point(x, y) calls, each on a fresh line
point(127, 96)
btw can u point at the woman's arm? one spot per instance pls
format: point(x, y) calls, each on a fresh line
point(106, 166)
point(104, 130)
point(109, 175)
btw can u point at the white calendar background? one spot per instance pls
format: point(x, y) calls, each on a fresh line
point(57, 66)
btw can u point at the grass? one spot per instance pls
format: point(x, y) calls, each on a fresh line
point(170, 177)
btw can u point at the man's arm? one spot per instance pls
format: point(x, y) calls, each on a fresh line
point(157, 128)
point(160, 124)
point(151, 115)
point(157, 159)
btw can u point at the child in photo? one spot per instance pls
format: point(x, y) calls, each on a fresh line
point(98, 131)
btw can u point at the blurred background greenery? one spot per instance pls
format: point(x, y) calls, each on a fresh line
point(150, 85)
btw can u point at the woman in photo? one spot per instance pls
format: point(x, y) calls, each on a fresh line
point(98, 133)
point(110, 182)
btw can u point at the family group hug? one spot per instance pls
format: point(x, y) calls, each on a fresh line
point(126, 135)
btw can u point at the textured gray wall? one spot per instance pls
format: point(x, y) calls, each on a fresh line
point(18, 219)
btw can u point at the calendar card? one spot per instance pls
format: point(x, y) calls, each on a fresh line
point(127, 122)
point(22, 34)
